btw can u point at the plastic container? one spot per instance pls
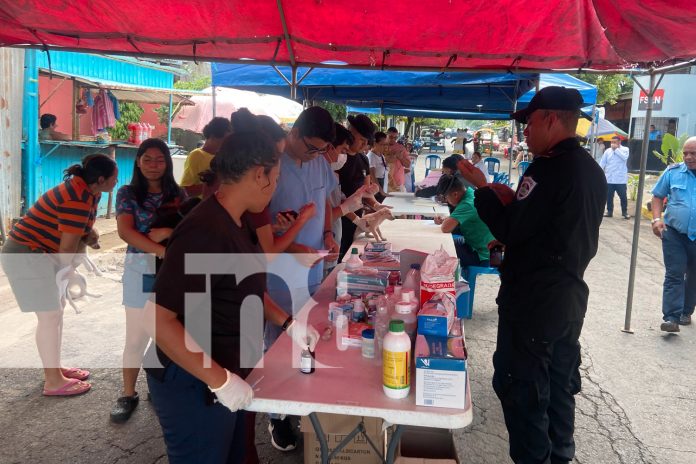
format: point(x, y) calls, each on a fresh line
point(368, 343)
point(412, 281)
point(359, 314)
point(404, 311)
point(396, 362)
point(307, 362)
point(354, 262)
point(341, 331)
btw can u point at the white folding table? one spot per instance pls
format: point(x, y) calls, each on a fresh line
point(344, 382)
point(408, 203)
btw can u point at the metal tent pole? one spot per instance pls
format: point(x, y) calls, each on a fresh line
point(214, 101)
point(641, 184)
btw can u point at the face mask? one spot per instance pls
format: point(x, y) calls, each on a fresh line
point(338, 164)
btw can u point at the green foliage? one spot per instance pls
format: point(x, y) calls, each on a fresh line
point(609, 86)
point(672, 149)
point(633, 186)
point(130, 112)
point(338, 112)
point(197, 83)
point(163, 114)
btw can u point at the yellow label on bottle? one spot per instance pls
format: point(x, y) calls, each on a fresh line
point(395, 369)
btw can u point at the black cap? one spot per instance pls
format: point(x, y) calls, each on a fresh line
point(551, 98)
point(364, 126)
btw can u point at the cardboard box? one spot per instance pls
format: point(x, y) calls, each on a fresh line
point(336, 427)
point(437, 315)
point(360, 281)
point(421, 445)
point(441, 370)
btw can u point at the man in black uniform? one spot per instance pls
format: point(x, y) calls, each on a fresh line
point(352, 175)
point(550, 229)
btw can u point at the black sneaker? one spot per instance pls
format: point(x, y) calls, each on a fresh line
point(123, 408)
point(282, 436)
point(669, 326)
point(608, 215)
point(684, 320)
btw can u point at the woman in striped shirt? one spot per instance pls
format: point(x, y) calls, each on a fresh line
point(38, 256)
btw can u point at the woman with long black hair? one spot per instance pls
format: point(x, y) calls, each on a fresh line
point(151, 189)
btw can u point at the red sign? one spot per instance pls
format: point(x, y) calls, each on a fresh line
point(658, 97)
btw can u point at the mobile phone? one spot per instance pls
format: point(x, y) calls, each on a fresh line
point(290, 214)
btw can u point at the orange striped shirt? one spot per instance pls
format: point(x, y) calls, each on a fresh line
point(69, 207)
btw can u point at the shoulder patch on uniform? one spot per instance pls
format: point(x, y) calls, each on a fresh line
point(525, 188)
point(674, 165)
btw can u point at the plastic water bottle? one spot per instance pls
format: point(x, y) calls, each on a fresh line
point(381, 324)
point(412, 281)
point(404, 312)
point(341, 331)
point(354, 262)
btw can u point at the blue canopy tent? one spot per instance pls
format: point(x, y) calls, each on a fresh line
point(457, 92)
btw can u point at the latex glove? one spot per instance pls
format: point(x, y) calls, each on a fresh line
point(63, 277)
point(304, 335)
point(361, 223)
point(370, 189)
point(235, 393)
point(353, 202)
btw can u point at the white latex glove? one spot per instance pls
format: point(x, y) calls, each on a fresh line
point(235, 393)
point(353, 202)
point(304, 335)
point(361, 223)
point(63, 277)
point(370, 190)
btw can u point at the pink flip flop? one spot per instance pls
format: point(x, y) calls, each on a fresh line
point(75, 373)
point(71, 388)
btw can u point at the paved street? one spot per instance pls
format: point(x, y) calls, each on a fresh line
point(637, 403)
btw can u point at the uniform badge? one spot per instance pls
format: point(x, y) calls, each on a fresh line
point(525, 188)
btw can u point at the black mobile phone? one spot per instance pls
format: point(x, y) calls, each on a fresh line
point(290, 214)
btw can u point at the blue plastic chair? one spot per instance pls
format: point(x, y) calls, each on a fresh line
point(432, 162)
point(522, 167)
point(470, 276)
point(492, 165)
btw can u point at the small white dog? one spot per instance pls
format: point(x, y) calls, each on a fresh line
point(77, 285)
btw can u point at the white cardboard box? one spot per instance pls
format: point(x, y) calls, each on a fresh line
point(440, 372)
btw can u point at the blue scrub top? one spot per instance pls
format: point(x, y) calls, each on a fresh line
point(299, 184)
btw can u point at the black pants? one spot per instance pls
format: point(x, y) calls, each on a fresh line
point(348, 230)
point(620, 189)
point(378, 196)
point(536, 377)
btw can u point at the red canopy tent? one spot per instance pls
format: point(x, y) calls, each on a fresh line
point(453, 34)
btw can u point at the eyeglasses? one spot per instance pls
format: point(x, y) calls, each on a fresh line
point(312, 150)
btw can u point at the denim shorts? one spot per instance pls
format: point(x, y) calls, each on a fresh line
point(138, 282)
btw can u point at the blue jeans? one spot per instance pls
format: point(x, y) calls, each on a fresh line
point(194, 430)
point(679, 290)
point(620, 189)
point(467, 255)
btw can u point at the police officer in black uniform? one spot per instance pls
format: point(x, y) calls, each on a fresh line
point(550, 230)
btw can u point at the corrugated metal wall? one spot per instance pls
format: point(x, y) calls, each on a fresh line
point(11, 91)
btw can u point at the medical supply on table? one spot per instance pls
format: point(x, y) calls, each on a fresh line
point(404, 311)
point(368, 343)
point(353, 337)
point(337, 308)
point(361, 281)
point(413, 281)
point(436, 317)
point(359, 314)
point(354, 262)
point(341, 331)
point(396, 361)
point(307, 362)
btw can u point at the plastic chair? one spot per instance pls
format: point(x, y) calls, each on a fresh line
point(522, 167)
point(432, 162)
point(470, 276)
point(492, 165)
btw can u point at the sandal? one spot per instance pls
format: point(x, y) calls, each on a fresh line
point(75, 373)
point(71, 388)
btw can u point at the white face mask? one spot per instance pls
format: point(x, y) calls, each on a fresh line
point(338, 164)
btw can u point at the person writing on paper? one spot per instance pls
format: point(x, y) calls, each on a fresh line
point(190, 379)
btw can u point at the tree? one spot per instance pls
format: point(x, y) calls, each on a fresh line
point(129, 112)
point(198, 83)
point(609, 86)
point(338, 112)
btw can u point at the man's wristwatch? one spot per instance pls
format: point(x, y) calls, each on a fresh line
point(654, 220)
point(287, 323)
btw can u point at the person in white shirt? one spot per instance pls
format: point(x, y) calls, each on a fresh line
point(613, 163)
point(378, 165)
point(477, 161)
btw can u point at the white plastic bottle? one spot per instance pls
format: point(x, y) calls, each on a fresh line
point(404, 311)
point(354, 262)
point(341, 331)
point(396, 362)
point(412, 281)
point(381, 324)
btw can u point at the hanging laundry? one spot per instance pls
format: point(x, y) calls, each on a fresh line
point(87, 97)
point(114, 102)
point(102, 112)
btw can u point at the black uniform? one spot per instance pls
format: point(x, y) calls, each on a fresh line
point(351, 177)
point(551, 231)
